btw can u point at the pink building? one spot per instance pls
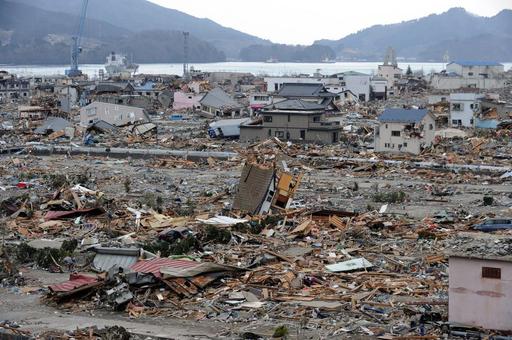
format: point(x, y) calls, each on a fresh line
point(186, 100)
point(480, 291)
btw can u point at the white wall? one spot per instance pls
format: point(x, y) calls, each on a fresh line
point(475, 71)
point(442, 82)
point(386, 142)
point(462, 108)
point(477, 301)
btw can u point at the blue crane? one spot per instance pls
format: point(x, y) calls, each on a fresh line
point(76, 49)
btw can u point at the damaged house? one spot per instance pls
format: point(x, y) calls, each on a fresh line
point(218, 103)
point(263, 188)
point(404, 130)
point(114, 114)
point(295, 120)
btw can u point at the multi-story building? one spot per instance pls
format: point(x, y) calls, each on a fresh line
point(294, 120)
point(404, 130)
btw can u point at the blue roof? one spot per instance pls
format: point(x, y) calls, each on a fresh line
point(475, 63)
point(148, 86)
point(402, 115)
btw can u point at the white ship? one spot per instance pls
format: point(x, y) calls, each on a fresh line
point(118, 64)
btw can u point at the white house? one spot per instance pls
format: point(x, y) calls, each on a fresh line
point(475, 74)
point(463, 107)
point(355, 82)
point(404, 130)
point(114, 114)
point(483, 69)
point(479, 291)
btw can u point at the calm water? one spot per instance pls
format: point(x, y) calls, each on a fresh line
point(276, 69)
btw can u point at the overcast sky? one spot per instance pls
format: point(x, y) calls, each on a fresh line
point(302, 22)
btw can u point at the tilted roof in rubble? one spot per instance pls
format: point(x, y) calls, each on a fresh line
point(402, 115)
point(217, 98)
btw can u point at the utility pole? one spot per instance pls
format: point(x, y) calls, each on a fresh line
point(186, 74)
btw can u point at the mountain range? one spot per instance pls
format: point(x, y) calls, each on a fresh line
point(39, 32)
point(462, 34)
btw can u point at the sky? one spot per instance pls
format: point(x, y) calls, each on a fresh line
point(302, 22)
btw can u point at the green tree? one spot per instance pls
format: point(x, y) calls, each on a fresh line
point(409, 71)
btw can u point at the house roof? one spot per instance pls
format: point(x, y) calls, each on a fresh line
point(475, 63)
point(253, 187)
point(351, 73)
point(52, 124)
point(217, 98)
point(303, 90)
point(402, 115)
point(113, 87)
point(294, 104)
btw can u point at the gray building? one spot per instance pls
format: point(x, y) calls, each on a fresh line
point(114, 114)
point(13, 88)
point(313, 93)
point(404, 130)
point(218, 103)
point(294, 120)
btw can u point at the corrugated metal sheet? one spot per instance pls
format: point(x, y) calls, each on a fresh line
point(106, 258)
point(153, 266)
point(75, 281)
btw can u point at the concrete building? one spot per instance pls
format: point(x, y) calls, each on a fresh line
point(33, 112)
point(114, 114)
point(468, 69)
point(479, 291)
point(474, 74)
point(463, 108)
point(218, 103)
point(390, 71)
point(295, 120)
point(13, 88)
point(404, 130)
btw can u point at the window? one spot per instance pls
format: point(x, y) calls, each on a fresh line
point(270, 132)
point(471, 106)
point(303, 134)
point(386, 126)
point(405, 145)
point(457, 107)
point(267, 119)
point(316, 118)
point(279, 134)
point(288, 117)
point(470, 73)
point(491, 273)
point(395, 133)
point(396, 76)
point(276, 87)
point(430, 126)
